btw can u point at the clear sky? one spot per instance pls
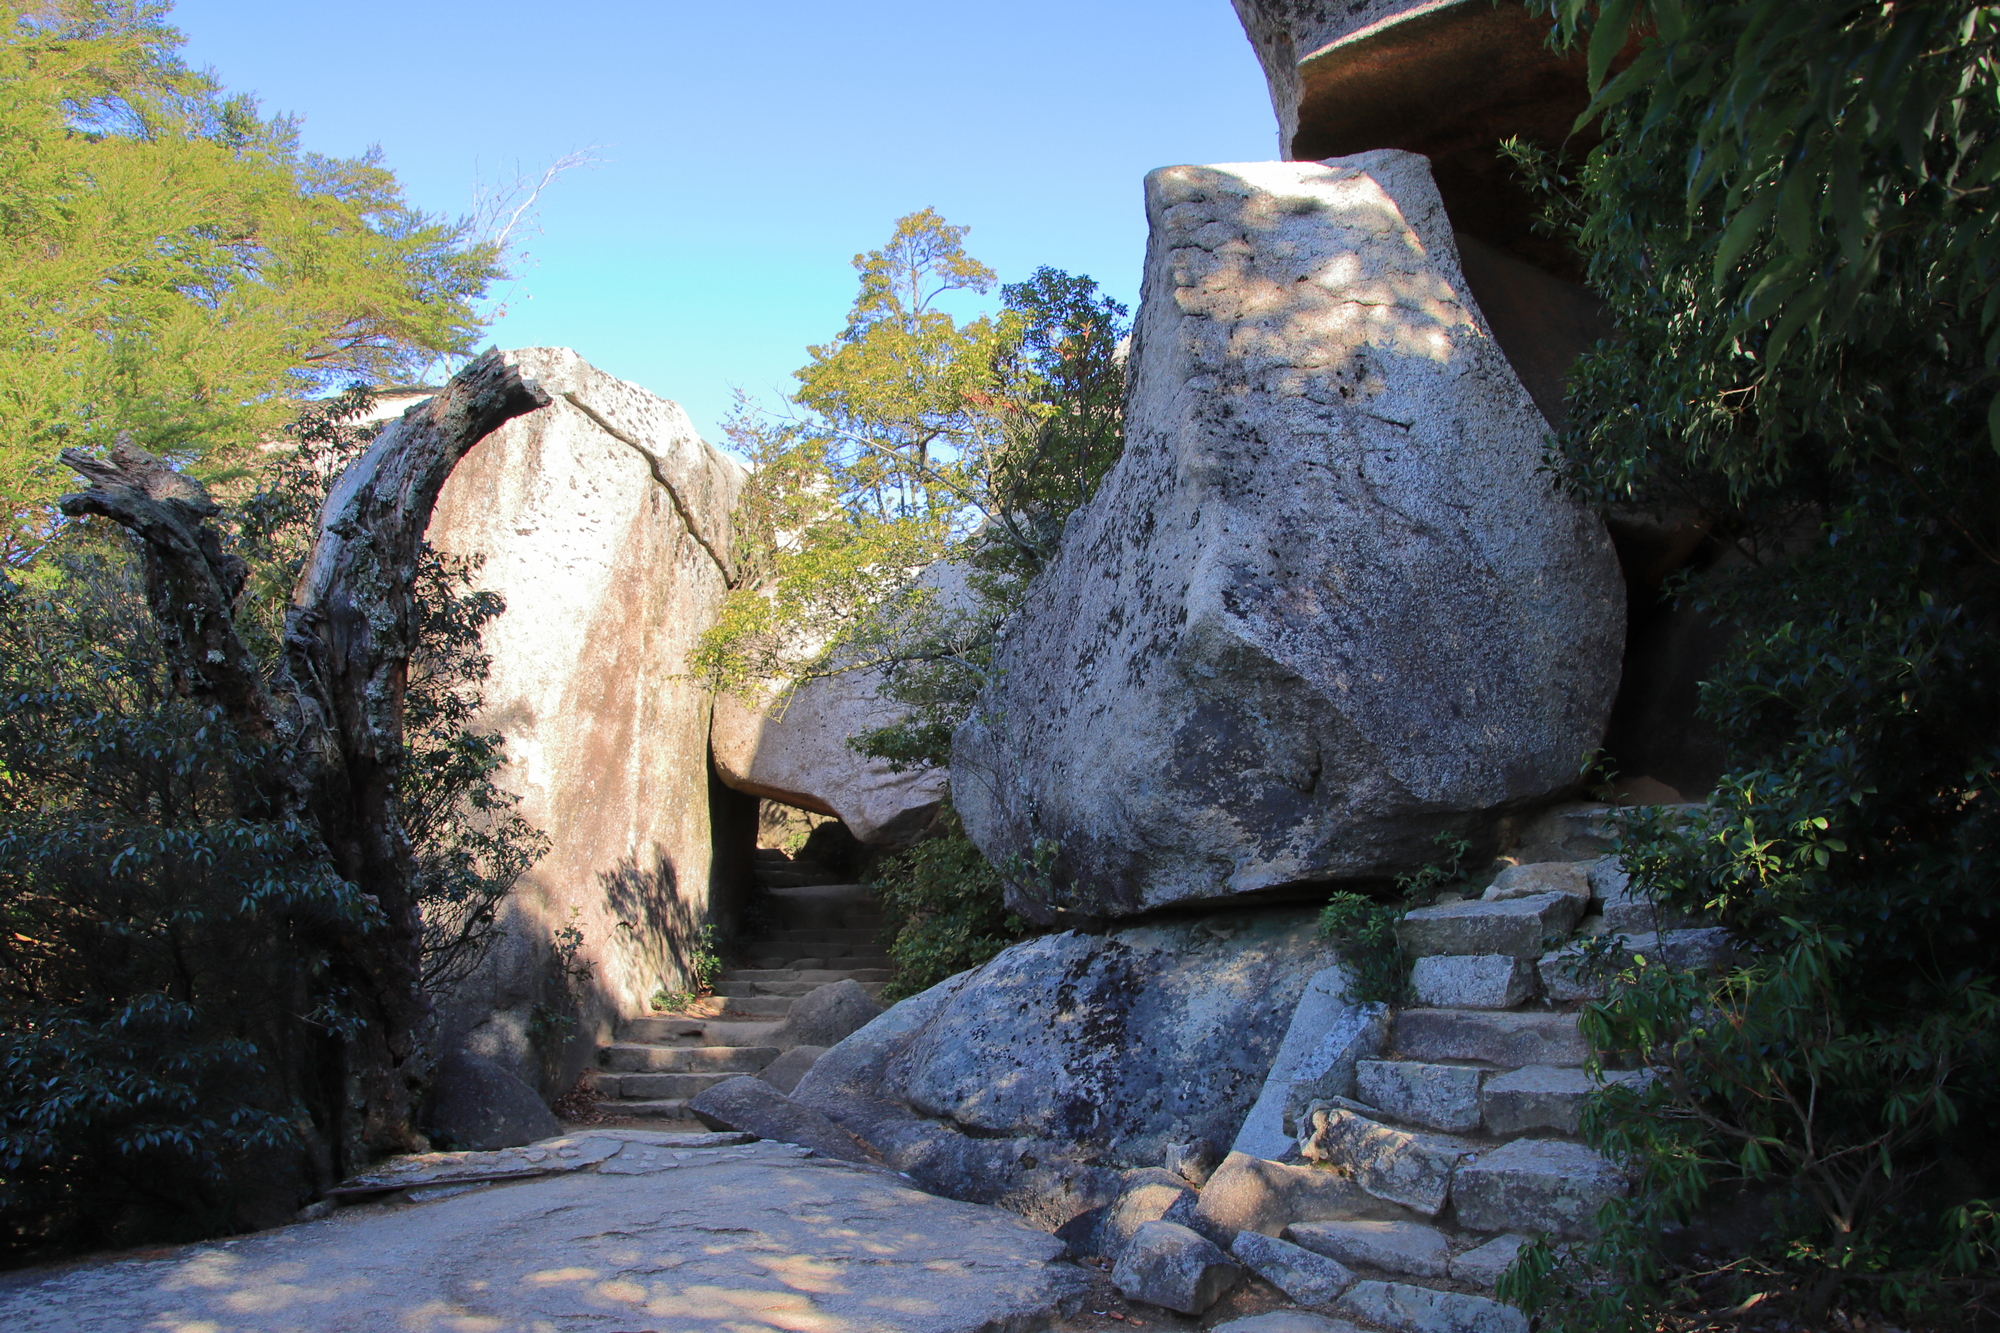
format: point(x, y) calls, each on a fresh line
point(752, 149)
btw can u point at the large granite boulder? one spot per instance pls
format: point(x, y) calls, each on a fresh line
point(603, 520)
point(792, 747)
point(477, 1105)
point(1069, 1058)
point(1326, 606)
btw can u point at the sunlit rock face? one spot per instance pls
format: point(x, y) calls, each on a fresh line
point(1325, 607)
point(603, 520)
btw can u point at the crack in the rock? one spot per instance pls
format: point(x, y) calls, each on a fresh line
point(659, 475)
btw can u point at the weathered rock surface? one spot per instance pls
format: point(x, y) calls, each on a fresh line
point(1442, 1097)
point(1287, 1321)
point(1305, 1277)
point(754, 1106)
point(1251, 1194)
point(785, 1071)
point(1168, 1265)
point(1396, 1247)
point(749, 1239)
point(604, 521)
point(1148, 1195)
point(1483, 1265)
point(1324, 606)
point(478, 1105)
point(1524, 881)
point(1408, 1308)
point(1072, 1050)
point(793, 748)
point(1518, 927)
point(1473, 981)
point(1511, 1039)
point(1570, 973)
point(1536, 1185)
point(1414, 1170)
point(827, 1014)
point(1328, 1034)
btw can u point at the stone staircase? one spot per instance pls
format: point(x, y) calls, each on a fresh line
point(1462, 1134)
point(820, 933)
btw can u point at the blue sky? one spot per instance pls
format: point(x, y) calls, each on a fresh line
point(752, 150)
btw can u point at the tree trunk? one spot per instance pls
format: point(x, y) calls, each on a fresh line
point(333, 708)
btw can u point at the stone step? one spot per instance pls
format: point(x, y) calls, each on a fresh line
point(1400, 1166)
point(812, 977)
point(792, 989)
point(1410, 1307)
point(1444, 1097)
point(652, 1086)
point(1541, 1097)
point(668, 1107)
point(1569, 973)
point(834, 934)
point(703, 1032)
point(1408, 1248)
point(1494, 1037)
point(631, 1057)
point(850, 965)
point(1519, 927)
point(1474, 981)
point(1532, 1185)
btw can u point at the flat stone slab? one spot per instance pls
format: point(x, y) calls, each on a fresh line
point(1442, 1097)
point(1524, 881)
point(1533, 1185)
point(1473, 981)
point(1407, 1308)
point(1492, 1037)
point(1518, 927)
point(1542, 1097)
point(1396, 1247)
point(747, 1239)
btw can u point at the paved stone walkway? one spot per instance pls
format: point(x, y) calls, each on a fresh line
point(650, 1238)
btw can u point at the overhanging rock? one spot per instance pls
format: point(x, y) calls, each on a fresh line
point(1326, 606)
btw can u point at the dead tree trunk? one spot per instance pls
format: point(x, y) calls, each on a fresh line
point(334, 706)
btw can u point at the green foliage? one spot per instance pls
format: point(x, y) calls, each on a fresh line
point(1426, 880)
point(1792, 218)
point(552, 1019)
point(914, 442)
point(164, 1052)
point(946, 909)
point(704, 965)
point(1365, 930)
point(172, 264)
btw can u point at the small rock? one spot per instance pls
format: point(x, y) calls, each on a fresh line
point(1483, 1266)
point(1608, 880)
point(480, 1106)
point(1536, 1185)
point(1442, 1097)
point(1396, 1247)
point(1193, 1160)
point(1414, 1170)
point(1473, 981)
point(1166, 1264)
point(1570, 877)
point(755, 1106)
point(1406, 1308)
point(785, 1072)
point(315, 1210)
point(821, 1017)
point(1519, 927)
point(1305, 1277)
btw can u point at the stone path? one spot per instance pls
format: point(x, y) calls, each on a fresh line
point(826, 933)
point(632, 1231)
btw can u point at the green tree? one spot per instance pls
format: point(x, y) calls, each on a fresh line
point(918, 443)
point(173, 265)
point(1792, 217)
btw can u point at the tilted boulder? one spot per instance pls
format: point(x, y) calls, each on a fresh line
point(1326, 606)
point(603, 519)
point(1073, 1054)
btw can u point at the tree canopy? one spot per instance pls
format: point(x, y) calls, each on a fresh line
point(173, 264)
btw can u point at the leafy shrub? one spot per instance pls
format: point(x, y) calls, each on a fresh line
point(1792, 219)
point(1365, 930)
point(162, 1032)
point(946, 909)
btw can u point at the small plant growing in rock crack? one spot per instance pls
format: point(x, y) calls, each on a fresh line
point(1365, 929)
point(550, 1024)
point(704, 965)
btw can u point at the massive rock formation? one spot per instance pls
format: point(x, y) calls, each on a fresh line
point(603, 519)
point(1033, 1080)
point(794, 749)
point(1325, 607)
